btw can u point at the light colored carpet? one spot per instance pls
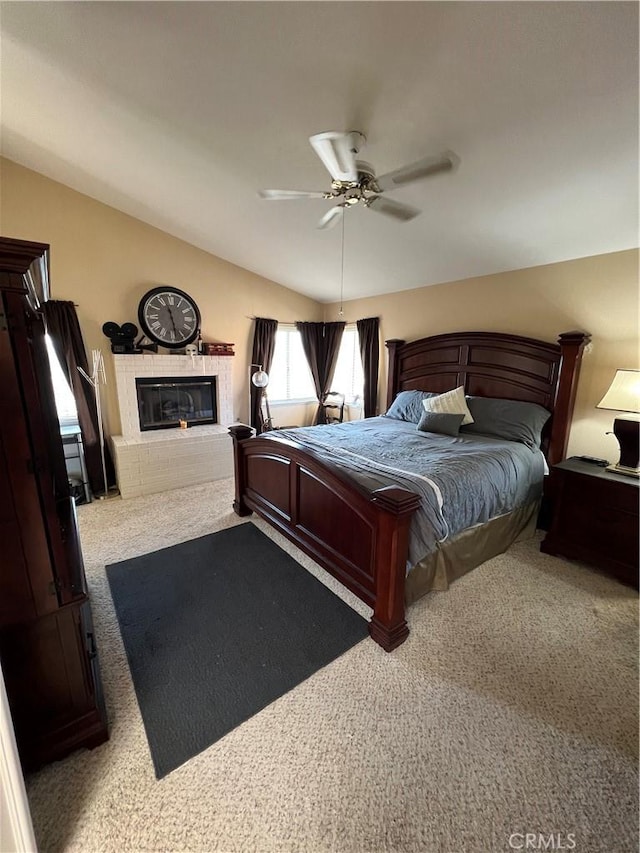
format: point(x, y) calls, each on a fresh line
point(512, 707)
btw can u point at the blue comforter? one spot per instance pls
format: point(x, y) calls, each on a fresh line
point(463, 480)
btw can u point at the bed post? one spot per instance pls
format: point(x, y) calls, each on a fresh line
point(388, 626)
point(572, 346)
point(239, 433)
point(392, 368)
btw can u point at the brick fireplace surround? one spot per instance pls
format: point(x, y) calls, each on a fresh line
point(158, 460)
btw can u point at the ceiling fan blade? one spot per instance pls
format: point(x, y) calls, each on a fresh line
point(418, 170)
point(389, 207)
point(338, 150)
point(331, 217)
point(285, 195)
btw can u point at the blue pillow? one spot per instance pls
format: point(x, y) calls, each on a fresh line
point(510, 419)
point(407, 406)
point(444, 423)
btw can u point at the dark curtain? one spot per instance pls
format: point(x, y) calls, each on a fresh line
point(64, 330)
point(369, 340)
point(321, 343)
point(264, 343)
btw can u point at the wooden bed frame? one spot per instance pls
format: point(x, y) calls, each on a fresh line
point(360, 536)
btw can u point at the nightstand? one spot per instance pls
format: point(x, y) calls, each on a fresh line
point(595, 518)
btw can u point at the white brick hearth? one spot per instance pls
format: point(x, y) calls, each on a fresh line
point(158, 460)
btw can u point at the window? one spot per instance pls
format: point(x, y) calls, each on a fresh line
point(349, 378)
point(290, 377)
point(65, 402)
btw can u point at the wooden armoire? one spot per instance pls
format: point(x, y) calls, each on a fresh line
point(47, 645)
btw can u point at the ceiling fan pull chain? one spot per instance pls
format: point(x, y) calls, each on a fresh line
point(341, 311)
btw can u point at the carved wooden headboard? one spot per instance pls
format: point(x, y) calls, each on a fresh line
point(490, 364)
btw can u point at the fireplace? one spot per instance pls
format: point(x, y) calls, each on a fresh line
point(165, 401)
point(200, 454)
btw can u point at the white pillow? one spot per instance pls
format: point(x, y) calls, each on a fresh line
point(449, 403)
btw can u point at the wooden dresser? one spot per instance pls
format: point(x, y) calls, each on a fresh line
point(595, 518)
point(47, 646)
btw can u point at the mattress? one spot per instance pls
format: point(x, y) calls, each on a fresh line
point(463, 481)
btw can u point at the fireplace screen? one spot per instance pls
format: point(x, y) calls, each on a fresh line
point(164, 402)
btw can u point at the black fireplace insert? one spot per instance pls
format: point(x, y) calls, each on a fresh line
point(165, 401)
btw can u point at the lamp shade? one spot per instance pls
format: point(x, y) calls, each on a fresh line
point(260, 379)
point(624, 393)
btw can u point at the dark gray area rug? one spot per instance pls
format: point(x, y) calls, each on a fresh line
point(217, 628)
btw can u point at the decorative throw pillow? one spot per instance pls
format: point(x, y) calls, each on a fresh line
point(511, 419)
point(407, 406)
point(445, 424)
point(449, 403)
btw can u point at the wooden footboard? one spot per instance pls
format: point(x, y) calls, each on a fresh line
point(359, 536)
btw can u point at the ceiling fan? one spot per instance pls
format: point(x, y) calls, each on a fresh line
point(355, 182)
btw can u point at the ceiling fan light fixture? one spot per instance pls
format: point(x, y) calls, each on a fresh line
point(354, 181)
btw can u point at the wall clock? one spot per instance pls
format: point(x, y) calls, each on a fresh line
point(169, 317)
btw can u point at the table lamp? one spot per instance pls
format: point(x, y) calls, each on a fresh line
point(624, 396)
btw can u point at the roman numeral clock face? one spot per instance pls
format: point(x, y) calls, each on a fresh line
point(169, 317)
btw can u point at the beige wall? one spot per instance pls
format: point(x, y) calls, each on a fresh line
point(105, 261)
point(599, 295)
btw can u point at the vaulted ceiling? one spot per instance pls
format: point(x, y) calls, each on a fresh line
point(178, 113)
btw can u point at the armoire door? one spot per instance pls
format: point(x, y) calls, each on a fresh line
point(26, 575)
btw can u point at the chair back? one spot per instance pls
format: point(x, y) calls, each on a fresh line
point(333, 405)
